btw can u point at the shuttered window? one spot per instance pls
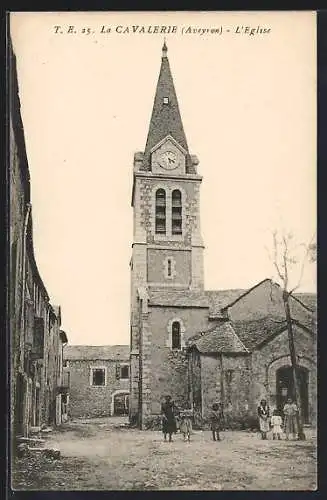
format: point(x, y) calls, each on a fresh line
point(176, 212)
point(160, 208)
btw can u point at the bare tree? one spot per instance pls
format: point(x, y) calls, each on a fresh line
point(313, 252)
point(286, 257)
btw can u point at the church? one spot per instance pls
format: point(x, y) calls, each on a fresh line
point(201, 346)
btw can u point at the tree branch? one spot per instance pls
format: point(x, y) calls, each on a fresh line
point(285, 256)
point(302, 265)
point(275, 260)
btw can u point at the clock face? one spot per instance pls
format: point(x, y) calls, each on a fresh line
point(168, 160)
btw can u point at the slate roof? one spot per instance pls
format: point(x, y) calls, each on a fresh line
point(178, 298)
point(92, 352)
point(308, 299)
point(253, 332)
point(222, 338)
point(219, 299)
point(166, 118)
point(215, 300)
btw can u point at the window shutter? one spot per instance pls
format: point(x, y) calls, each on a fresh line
point(38, 341)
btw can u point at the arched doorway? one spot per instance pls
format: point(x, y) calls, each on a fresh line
point(120, 403)
point(285, 388)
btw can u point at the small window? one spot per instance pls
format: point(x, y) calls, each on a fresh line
point(176, 335)
point(229, 376)
point(66, 363)
point(166, 100)
point(98, 376)
point(124, 371)
point(169, 267)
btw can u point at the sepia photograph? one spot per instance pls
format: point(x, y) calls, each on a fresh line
point(162, 250)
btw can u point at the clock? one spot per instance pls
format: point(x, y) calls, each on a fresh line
point(169, 160)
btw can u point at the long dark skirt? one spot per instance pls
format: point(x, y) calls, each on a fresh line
point(169, 426)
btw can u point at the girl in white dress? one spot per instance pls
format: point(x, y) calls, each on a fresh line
point(276, 423)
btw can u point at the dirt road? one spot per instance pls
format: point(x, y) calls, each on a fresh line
point(102, 455)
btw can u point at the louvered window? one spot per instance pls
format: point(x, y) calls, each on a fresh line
point(176, 215)
point(161, 211)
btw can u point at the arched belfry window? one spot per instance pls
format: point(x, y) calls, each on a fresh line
point(161, 211)
point(176, 212)
point(176, 335)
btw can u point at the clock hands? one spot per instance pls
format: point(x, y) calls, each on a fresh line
point(168, 160)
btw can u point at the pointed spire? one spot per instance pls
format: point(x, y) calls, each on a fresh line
point(164, 49)
point(166, 118)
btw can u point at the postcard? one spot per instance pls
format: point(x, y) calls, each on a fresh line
point(163, 305)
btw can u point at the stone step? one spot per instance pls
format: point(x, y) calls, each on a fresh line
point(32, 440)
point(47, 452)
point(34, 430)
point(23, 450)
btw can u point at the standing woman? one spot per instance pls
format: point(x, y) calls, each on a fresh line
point(290, 418)
point(168, 418)
point(263, 414)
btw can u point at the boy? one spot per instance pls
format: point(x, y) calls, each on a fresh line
point(216, 419)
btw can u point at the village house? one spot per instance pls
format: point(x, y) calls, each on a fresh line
point(200, 346)
point(34, 324)
point(98, 380)
point(244, 355)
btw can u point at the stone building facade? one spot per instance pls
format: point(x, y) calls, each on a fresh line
point(98, 380)
point(245, 357)
point(184, 340)
point(34, 324)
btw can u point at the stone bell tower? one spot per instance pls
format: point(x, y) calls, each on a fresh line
point(167, 249)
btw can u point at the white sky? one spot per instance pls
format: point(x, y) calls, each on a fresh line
point(248, 105)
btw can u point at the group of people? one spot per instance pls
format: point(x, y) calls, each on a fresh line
point(171, 416)
point(275, 422)
point(169, 420)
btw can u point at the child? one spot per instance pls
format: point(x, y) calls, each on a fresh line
point(263, 414)
point(216, 419)
point(186, 424)
point(276, 423)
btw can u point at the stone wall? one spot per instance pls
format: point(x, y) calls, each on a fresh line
point(274, 355)
point(227, 379)
point(86, 400)
point(144, 229)
point(265, 300)
point(180, 262)
point(170, 373)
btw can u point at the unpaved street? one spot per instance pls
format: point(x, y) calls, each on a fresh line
point(100, 454)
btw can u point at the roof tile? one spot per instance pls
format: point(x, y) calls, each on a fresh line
point(222, 338)
point(92, 352)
